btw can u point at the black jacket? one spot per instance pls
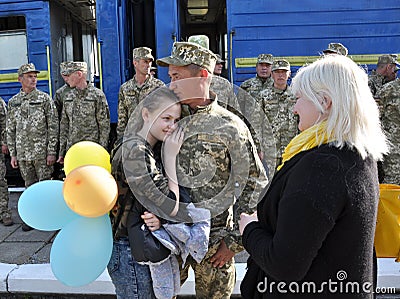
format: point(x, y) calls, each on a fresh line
point(316, 228)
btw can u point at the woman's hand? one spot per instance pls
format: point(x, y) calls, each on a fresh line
point(151, 220)
point(246, 219)
point(173, 143)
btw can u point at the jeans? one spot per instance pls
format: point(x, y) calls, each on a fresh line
point(131, 279)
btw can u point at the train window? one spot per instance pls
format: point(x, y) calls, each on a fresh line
point(201, 40)
point(13, 43)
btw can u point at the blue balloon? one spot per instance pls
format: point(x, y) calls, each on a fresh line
point(82, 250)
point(43, 207)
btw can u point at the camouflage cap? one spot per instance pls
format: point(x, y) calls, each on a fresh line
point(63, 67)
point(336, 48)
point(219, 59)
point(265, 58)
point(388, 59)
point(185, 53)
point(281, 64)
point(73, 66)
point(142, 53)
point(27, 68)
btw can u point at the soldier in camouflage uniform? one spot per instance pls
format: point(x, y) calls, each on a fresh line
point(4, 209)
point(32, 129)
point(217, 164)
point(336, 48)
point(58, 99)
point(85, 115)
point(263, 78)
point(133, 91)
point(249, 98)
point(277, 103)
point(59, 96)
point(389, 96)
point(224, 89)
point(385, 72)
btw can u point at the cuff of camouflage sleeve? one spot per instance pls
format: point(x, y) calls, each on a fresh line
point(233, 245)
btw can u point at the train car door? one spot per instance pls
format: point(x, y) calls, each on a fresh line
point(167, 31)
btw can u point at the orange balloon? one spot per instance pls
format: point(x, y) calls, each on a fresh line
point(90, 191)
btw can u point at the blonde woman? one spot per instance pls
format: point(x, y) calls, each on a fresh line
point(312, 235)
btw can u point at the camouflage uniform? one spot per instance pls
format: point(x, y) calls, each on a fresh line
point(390, 99)
point(130, 95)
point(225, 146)
point(59, 97)
point(32, 130)
point(63, 90)
point(226, 96)
point(4, 209)
point(219, 166)
point(278, 107)
point(85, 117)
point(249, 101)
point(375, 82)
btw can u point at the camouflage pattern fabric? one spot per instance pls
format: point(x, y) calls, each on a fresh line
point(73, 66)
point(35, 171)
point(185, 53)
point(32, 126)
point(85, 117)
point(226, 96)
point(4, 210)
point(59, 97)
point(250, 105)
point(211, 282)
point(218, 155)
point(142, 53)
point(254, 86)
point(130, 95)
point(278, 107)
point(136, 167)
point(375, 83)
point(390, 101)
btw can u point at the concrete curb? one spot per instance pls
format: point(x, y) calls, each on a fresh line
point(38, 278)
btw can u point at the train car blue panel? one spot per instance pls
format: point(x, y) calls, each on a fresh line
point(108, 33)
point(37, 28)
point(293, 29)
point(167, 31)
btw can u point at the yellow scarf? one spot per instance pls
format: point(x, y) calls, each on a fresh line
point(306, 140)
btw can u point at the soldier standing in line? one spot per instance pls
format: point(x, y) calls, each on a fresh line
point(277, 103)
point(132, 92)
point(4, 199)
point(249, 98)
point(263, 78)
point(32, 130)
point(58, 99)
point(85, 115)
point(217, 164)
point(389, 95)
point(224, 89)
point(336, 48)
point(63, 90)
point(385, 72)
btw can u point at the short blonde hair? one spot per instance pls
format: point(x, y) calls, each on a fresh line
point(353, 118)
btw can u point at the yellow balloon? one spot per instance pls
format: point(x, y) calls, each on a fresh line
point(90, 191)
point(86, 153)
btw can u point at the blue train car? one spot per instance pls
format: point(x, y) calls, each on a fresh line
point(44, 33)
point(239, 30)
point(300, 30)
